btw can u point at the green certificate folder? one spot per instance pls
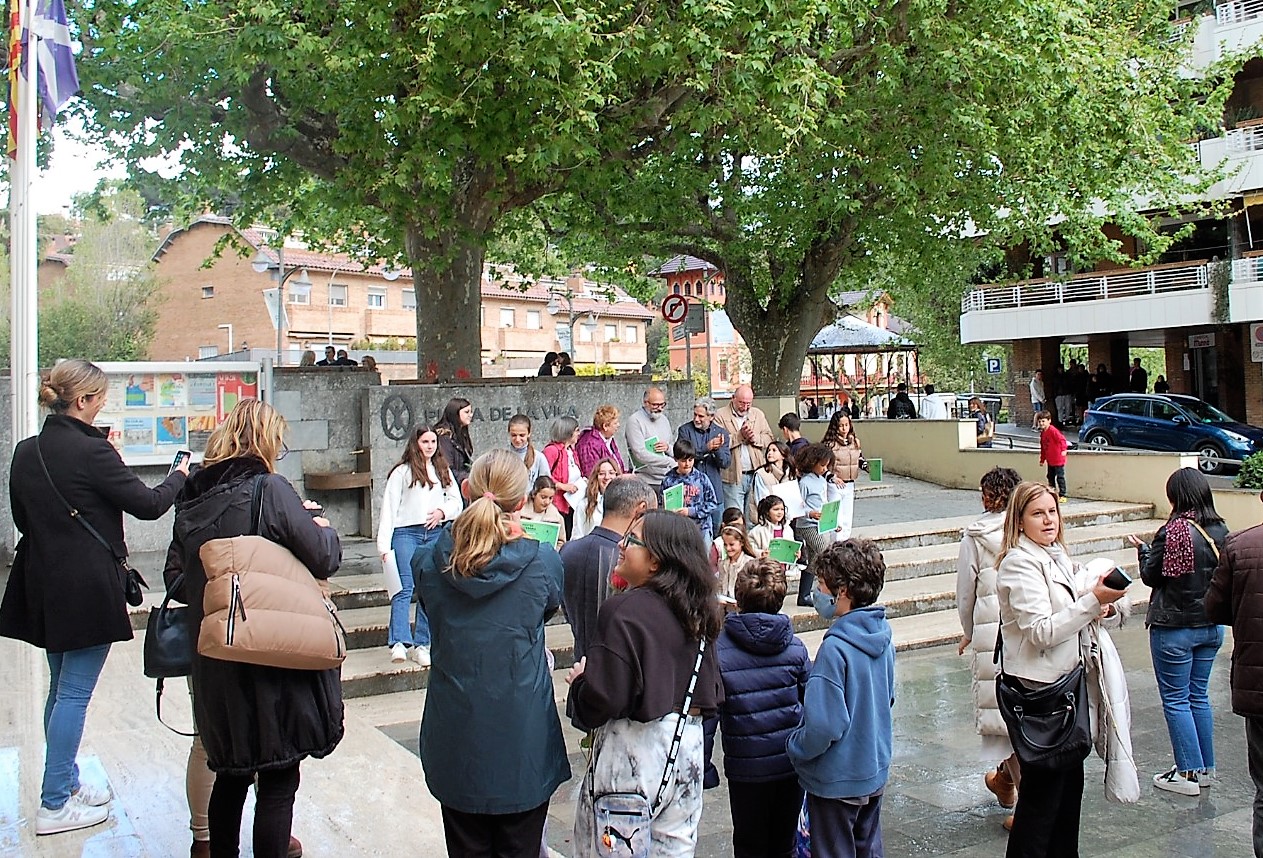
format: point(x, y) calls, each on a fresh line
point(651, 444)
point(784, 550)
point(829, 516)
point(541, 531)
point(673, 497)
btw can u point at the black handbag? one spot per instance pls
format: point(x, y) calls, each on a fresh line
point(1048, 726)
point(134, 583)
point(168, 646)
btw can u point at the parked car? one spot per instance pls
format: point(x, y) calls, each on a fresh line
point(1169, 422)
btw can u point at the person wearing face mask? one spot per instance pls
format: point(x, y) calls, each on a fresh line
point(842, 748)
point(710, 440)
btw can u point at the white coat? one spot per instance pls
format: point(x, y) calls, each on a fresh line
point(978, 604)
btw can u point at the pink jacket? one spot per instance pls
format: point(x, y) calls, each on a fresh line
point(591, 448)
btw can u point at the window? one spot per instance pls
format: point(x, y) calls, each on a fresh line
point(532, 320)
point(1107, 408)
point(337, 295)
point(585, 332)
point(1160, 410)
point(208, 291)
point(482, 317)
point(409, 301)
point(611, 333)
point(633, 334)
point(723, 369)
point(204, 352)
point(298, 296)
point(506, 317)
point(675, 289)
point(376, 298)
point(1132, 407)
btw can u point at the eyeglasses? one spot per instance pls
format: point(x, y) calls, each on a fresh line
point(284, 452)
point(630, 539)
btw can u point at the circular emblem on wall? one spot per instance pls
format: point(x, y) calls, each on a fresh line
point(396, 417)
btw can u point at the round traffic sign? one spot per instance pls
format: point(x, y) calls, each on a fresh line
point(675, 308)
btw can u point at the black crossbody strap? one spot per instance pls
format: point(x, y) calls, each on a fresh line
point(679, 724)
point(74, 513)
point(256, 505)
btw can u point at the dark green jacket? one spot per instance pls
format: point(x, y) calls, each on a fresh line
point(490, 736)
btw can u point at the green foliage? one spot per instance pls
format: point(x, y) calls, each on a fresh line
point(1251, 474)
point(601, 370)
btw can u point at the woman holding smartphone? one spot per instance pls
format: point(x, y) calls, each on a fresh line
point(1183, 642)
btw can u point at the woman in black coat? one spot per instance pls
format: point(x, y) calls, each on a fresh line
point(255, 722)
point(454, 440)
point(65, 592)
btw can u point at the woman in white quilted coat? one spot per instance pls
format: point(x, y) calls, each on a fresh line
point(979, 609)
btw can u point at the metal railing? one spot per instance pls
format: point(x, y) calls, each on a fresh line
point(1236, 11)
point(1249, 270)
point(1248, 139)
point(1098, 286)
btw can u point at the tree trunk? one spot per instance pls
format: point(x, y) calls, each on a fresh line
point(449, 297)
point(778, 337)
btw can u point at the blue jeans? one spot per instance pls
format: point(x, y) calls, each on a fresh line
point(1182, 659)
point(738, 495)
point(73, 677)
point(404, 542)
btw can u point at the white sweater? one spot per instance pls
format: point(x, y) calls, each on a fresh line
point(404, 505)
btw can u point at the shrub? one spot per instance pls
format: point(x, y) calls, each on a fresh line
point(1251, 474)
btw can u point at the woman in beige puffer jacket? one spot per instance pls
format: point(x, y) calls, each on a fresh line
point(840, 438)
point(979, 607)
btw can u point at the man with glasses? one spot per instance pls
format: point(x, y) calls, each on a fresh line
point(749, 434)
point(711, 443)
point(648, 436)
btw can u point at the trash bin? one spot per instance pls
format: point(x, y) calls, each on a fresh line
point(874, 470)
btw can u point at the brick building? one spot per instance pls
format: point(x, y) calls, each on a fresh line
point(214, 305)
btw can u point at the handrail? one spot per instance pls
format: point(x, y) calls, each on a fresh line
point(1236, 11)
point(1095, 286)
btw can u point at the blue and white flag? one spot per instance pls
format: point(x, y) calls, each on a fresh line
point(58, 80)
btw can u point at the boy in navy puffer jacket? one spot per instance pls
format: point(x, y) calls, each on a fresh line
point(765, 668)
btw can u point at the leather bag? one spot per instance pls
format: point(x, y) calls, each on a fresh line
point(168, 638)
point(1048, 726)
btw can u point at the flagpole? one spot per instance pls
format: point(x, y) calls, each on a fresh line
point(24, 361)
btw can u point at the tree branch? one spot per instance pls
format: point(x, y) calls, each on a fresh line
point(267, 134)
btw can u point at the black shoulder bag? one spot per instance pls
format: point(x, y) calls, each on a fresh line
point(1048, 726)
point(133, 584)
point(623, 818)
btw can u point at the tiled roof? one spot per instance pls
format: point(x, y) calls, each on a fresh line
point(679, 264)
point(852, 333)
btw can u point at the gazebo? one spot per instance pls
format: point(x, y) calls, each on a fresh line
point(869, 373)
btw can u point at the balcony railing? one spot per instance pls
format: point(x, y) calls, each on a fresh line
point(1244, 139)
point(1236, 11)
point(1098, 286)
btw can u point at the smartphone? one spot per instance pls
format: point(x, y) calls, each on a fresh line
point(181, 458)
point(1117, 579)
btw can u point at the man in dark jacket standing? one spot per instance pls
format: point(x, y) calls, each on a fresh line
point(1235, 598)
point(901, 407)
point(713, 450)
point(590, 560)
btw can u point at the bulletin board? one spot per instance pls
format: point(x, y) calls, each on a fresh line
point(153, 409)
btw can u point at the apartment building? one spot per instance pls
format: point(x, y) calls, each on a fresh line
point(1202, 302)
point(215, 304)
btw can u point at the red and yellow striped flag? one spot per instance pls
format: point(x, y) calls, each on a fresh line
point(15, 65)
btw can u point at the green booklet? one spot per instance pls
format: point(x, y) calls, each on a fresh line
point(542, 531)
point(784, 550)
point(829, 516)
point(651, 444)
point(673, 498)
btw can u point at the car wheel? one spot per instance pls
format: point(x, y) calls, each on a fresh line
point(1099, 439)
point(1206, 456)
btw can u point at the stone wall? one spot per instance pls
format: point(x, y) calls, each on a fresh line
point(392, 411)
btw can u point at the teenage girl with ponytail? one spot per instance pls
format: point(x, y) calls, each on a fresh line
point(488, 591)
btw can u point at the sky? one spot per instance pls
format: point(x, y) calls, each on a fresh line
point(73, 169)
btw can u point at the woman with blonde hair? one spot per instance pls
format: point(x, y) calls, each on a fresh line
point(489, 591)
point(65, 590)
point(1043, 610)
point(589, 513)
point(308, 358)
point(597, 441)
point(257, 724)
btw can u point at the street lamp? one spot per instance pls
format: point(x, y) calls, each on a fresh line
point(554, 307)
point(261, 263)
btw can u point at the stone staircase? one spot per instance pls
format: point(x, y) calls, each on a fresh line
point(920, 591)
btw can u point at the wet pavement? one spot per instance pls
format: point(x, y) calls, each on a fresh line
point(936, 804)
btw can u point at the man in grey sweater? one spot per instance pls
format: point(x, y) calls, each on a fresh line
point(649, 435)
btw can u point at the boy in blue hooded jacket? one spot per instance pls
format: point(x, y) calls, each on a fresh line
point(842, 748)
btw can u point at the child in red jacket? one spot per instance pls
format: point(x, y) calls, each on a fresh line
point(1052, 451)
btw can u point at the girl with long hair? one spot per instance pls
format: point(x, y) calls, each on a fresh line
point(489, 591)
point(814, 464)
point(589, 514)
point(563, 466)
point(771, 524)
point(736, 554)
point(1183, 642)
point(630, 686)
point(520, 443)
point(453, 433)
point(421, 496)
point(841, 439)
point(539, 505)
point(1043, 608)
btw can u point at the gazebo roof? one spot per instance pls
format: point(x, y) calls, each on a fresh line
point(852, 335)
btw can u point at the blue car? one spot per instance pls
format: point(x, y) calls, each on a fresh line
point(1169, 422)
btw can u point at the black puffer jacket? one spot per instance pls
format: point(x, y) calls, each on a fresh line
point(1235, 598)
point(254, 718)
point(1178, 602)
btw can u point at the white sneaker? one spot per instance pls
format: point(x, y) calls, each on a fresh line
point(71, 816)
point(1173, 781)
point(398, 653)
point(421, 655)
point(93, 796)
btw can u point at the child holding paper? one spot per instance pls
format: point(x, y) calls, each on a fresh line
point(539, 506)
point(813, 463)
point(772, 525)
point(736, 554)
point(700, 500)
